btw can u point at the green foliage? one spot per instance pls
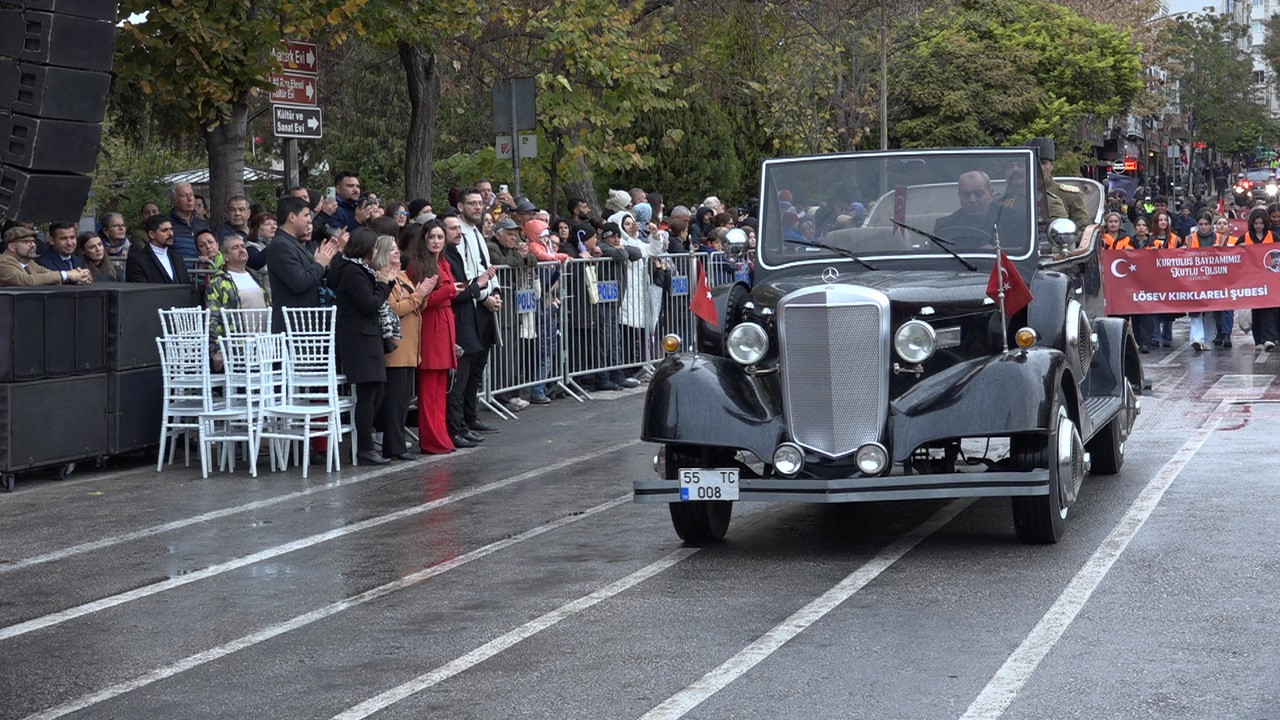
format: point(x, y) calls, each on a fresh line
point(1215, 80)
point(367, 118)
point(991, 72)
point(130, 175)
point(201, 56)
point(682, 144)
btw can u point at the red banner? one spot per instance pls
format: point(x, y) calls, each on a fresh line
point(1141, 282)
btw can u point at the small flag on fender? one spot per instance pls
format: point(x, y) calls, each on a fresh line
point(701, 304)
point(1004, 274)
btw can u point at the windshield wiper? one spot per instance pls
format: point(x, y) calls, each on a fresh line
point(944, 244)
point(837, 250)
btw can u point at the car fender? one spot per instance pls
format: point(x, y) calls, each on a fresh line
point(1115, 361)
point(710, 401)
point(728, 300)
point(992, 396)
point(1047, 312)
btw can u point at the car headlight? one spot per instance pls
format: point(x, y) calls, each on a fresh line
point(915, 341)
point(747, 343)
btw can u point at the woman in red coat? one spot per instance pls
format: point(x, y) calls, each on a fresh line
point(438, 338)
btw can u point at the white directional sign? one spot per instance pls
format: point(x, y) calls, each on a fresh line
point(528, 146)
point(297, 122)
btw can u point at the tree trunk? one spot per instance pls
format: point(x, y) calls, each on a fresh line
point(225, 146)
point(557, 208)
point(422, 74)
point(584, 189)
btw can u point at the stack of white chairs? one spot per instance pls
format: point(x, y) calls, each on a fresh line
point(184, 364)
point(248, 370)
point(311, 378)
point(293, 415)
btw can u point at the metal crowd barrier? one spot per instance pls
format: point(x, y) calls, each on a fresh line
point(591, 317)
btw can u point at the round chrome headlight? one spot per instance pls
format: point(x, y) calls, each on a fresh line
point(872, 458)
point(788, 458)
point(747, 343)
point(915, 341)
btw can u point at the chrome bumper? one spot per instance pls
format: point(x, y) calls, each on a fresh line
point(866, 489)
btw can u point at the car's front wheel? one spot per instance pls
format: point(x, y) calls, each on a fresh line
point(698, 521)
point(1042, 519)
point(1106, 449)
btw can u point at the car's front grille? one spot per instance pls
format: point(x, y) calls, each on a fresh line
point(834, 363)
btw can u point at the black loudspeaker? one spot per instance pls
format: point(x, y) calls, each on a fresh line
point(30, 196)
point(62, 40)
point(54, 92)
point(136, 402)
point(135, 323)
point(22, 330)
point(53, 145)
point(50, 422)
point(93, 9)
point(75, 331)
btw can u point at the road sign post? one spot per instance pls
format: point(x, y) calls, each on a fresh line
point(295, 100)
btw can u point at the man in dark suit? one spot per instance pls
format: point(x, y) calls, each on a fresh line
point(473, 310)
point(61, 253)
point(158, 262)
point(294, 271)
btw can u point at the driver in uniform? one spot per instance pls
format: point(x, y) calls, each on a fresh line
point(971, 225)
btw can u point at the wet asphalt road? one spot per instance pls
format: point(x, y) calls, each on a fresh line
point(518, 581)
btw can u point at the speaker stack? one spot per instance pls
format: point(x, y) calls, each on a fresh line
point(55, 76)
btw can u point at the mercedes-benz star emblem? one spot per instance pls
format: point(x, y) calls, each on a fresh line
point(830, 275)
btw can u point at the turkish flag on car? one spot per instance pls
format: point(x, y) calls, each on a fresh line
point(1005, 275)
point(701, 304)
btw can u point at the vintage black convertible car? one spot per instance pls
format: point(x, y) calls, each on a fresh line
point(869, 362)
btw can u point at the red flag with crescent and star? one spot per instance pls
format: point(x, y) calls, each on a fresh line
point(1004, 274)
point(701, 303)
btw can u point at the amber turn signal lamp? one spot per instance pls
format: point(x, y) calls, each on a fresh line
point(671, 343)
point(1026, 337)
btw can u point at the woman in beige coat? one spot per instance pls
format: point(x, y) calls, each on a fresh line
point(407, 301)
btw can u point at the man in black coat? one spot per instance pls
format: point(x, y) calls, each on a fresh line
point(296, 273)
point(158, 262)
point(477, 331)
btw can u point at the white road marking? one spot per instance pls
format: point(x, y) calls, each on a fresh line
point(497, 645)
point(305, 619)
point(713, 682)
point(1009, 680)
point(78, 611)
point(106, 542)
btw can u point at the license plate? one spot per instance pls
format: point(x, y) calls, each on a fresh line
point(709, 483)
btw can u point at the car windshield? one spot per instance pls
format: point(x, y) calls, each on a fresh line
point(897, 204)
point(1260, 175)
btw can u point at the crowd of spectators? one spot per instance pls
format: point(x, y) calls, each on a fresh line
point(419, 294)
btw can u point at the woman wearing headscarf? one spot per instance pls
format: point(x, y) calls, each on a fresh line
point(639, 312)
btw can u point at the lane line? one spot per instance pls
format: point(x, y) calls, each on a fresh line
point(73, 550)
point(499, 644)
point(274, 630)
point(80, 549)
point(1009, 680)
point(78, 611)
point(716, 680)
